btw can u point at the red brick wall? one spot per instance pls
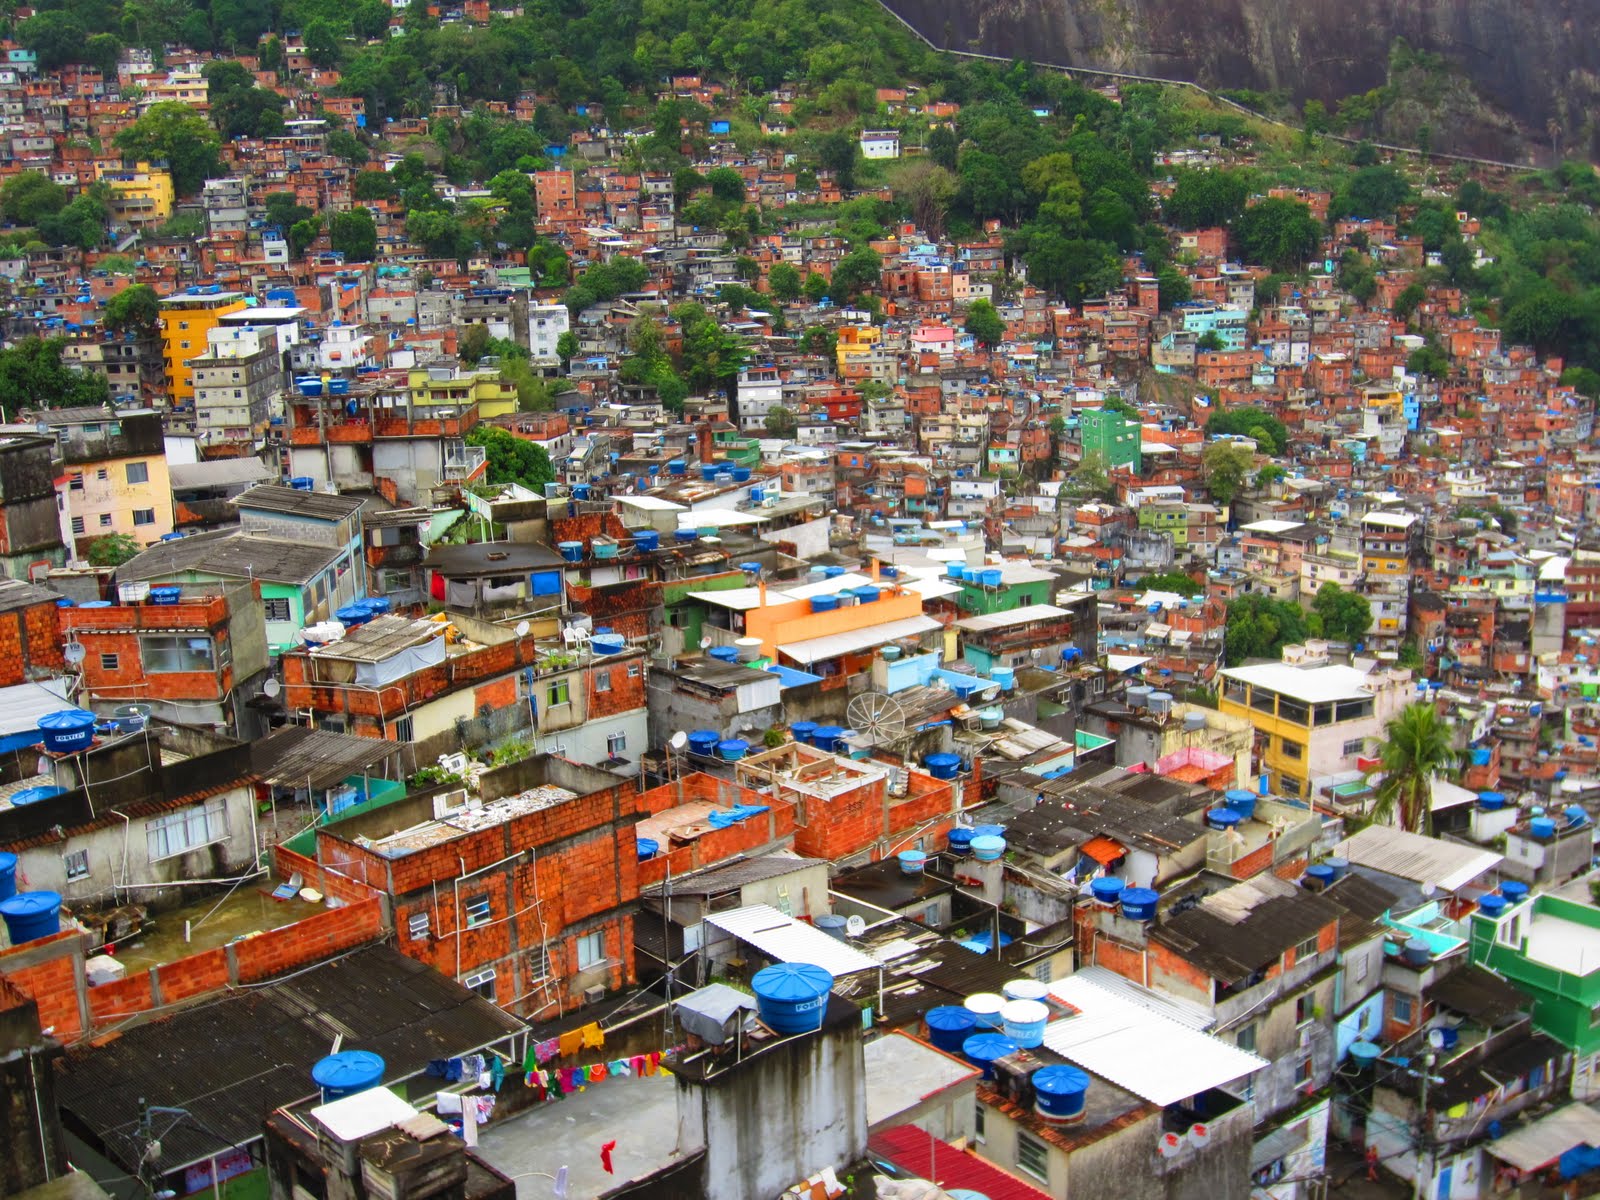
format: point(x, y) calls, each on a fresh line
point(29, 638)
point(851, 822)
point(625, 695)
point(51, 983)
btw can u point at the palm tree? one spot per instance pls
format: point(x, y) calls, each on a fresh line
point(1415, 750)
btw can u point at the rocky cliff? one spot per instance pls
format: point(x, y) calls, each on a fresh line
point(1536, 61)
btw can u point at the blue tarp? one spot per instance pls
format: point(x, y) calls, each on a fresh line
point(1580, 1160)
point(725, 817)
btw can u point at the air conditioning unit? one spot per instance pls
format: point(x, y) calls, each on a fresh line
point(594, 994)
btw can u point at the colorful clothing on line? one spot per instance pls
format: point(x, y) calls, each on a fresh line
point(570, 1043)
point(593, 1036)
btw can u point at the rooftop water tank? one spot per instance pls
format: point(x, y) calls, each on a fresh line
point(646, 539)
point(1491, 905)
point(1241, 801)
point(1542, 828)
point(943, 766)
point(1059, 1092)
point(1160, 703)
point(677, 466)
point(353, 614)
point(608, 643)
point(985, 1007)
point(571, 551)
point(820, 604)
point(1106, 890)
point(829, 738)
point(346, 1073)
point(832, 572)
point(648, 848)
point(733, 749)
point(949, 1026)
point(1024, 1021)
point(1491, 801)
point(33, 795)
point(1024, 989)
point(960, 841)
point(988, 849)
point(30, 916)
point(984, 1049)
point(8, 875)
point(866, 594)
point(1194, 722)
point(67, 731)
point(832, 925)
point(1514, 890)
point(1575, 814)
point(1138, 696)
point(1416, 952)
point(726, 654)
point(1139, 904)
point(685, 534)
point(801, 731)
point(1006, 677)
point(954, 570)
point(165, 596)
point(704, 741)
point(988, 831)
point(741, 474)
point(791, 997)
point(747, 649)
point(1222, 818)
point(1318, 876)
point(912, 862)
point(1365, 1054)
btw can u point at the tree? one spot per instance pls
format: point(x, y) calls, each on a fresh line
point(1270, 435)
point(858, 271)
point(322, 43)
point(101, 52)
point(985, 325)
point(816, 286)
point(134, 308)
point(1430, 360)
point(1415, 751)
point(780, 422)
point(712, 356)
point(370, 19)
point(1346, 616)
point(784, 281)
point(1260, 627)
point(440, 234)
point(283, 210)
point(1407, 302)
point(1171, 581)
point(301, 234)
point(1225, 466)
point(1279, 233)
point(1092, 477)
point(726, 184)
point(567, 347)
point(32, 375)
point(81, 223)
point(354, 234)
point(510, 459)
point(28, 196)
point(373, 185)
point(56, 36)
point(943, 147)
point(113, 550)
point(473, 344)
point(837, 153)
point(174, 133)
point(926, 189)
point(1210, 342)
point(1173, 285)
point(1201, 199)
point(1372, 192)
point(820, 340)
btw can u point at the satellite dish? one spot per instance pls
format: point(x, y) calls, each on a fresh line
point(1436, 1038)
point(855, 926)
point(270, 688)
point(705, 643)
point(74, 653)
point(678, 740)
point(522, 629)
point(876, 717)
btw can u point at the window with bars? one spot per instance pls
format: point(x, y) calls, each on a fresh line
point(481, 982)
point(477, 910)
point(1032, 1156)
point(417, 925)
point(187, 829)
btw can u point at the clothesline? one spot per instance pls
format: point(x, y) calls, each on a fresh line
point(559, 1082)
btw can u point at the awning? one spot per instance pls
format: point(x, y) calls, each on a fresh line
point(1541, 1143)
point(783, 939)
point(1103, 850)
point(835, 644)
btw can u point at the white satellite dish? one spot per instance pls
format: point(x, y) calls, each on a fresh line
point(678, 740)
point(705, 643)
point(522, 629)
point(270, 688)
point(1436, 1038)
point(855, 926)
point(74, 653)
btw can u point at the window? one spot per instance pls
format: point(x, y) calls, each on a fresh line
point(105, 520)
point(417, 925)
point(1402, 1009)
point(602, 681)
point(277, 609)
point(102, 474)
point(633, 670)
point(187, 829)
point(1304, 1005)
point(1288, 785)
point(1354, 746)
point(77, 864)
point(1291, 749)
point(75, 482)
point(538, 963)
point(616, 743)
point(977, 1122)
point(1032, 1156)
point(77, 524)
point(481, 982)
point(1304, 951)
point(591, 950)
point(1245, 1039)
point(559, 692)
point(478, 910)
point(166, 655)
point(138, 472)
point(1302, 1075)
point(110, 662)
point(144, 516)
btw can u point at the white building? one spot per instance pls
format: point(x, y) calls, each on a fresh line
point(880, 143)
point(760, 391)
point(546, 324)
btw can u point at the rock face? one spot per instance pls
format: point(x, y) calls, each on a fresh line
point(1537, 61)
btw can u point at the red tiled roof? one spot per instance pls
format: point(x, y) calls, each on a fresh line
point(909, 1148)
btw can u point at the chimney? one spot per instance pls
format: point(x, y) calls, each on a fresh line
point(703, 441)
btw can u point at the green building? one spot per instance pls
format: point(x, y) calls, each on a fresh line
point(1549, 947)
point(1113, 435)
point(1018, 585)
point(1166, 516)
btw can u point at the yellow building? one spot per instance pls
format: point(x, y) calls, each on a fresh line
point(440, 387)
point(140, 194)
point(1386, 544)
point(115, 469)
point(186, 319)
point(856, 341)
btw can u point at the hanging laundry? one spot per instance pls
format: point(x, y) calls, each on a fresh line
point(593, 1036)
point(438, 1068)
point(570, 1043)
point(605, 1156)
point(546, 1050)
point(471, 1066)
point(447, 1102)
point(497, 1072)
point(598, 1072)
point(531, 1059)
point(637, 1063)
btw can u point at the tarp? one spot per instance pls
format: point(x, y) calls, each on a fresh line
point(1103, 850)
point(709, 1013)
point(724, 817)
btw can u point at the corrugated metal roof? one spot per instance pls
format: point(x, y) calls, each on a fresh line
point(1141, 1051)
point(1545, 1140)
point(1445, 865)
point(912, 1149)
point(787, 940)
point(1185, 1013)
point(817, 649)
point(1014, 616)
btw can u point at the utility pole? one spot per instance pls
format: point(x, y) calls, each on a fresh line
point(1422, 1127)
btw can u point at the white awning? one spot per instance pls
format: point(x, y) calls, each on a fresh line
point(835, 644)
point(786, 940)
point(1545, 1140)
point(1150, 1055)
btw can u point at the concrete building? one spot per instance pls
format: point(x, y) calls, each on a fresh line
point(235, 384)
point(31, 522)
point(546, 324)
point(186, 319)
point(116, 473)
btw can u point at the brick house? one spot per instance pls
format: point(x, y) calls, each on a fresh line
point(30, 633)
point(526, 895)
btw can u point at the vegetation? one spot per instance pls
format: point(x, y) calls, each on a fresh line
point(512, 459)
point(1225, 466)
point(1269, 434)
point(33, 375)
point(1171, 581)
point(1260, 627)
point(112, 550)
point(1340, 615)
point(1416, 750)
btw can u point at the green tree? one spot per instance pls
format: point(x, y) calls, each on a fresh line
point(174, 133)
point(1171, 581)
point(1429, 360)
point(113, 550)
point(1225, 467)
point(857, 272)
point(510, 459)
point(370, 19)
point(1210, 342)
point(1269, 433)
point(1092, 477)
point(1201, 199)
point(101, 52)
point(135, 308)
point(82, 223)
point(838, 153)
point(943, 147)
point(1372, 192)
point(726, 185)
point(780, 422)
point(354, 234)
point(820, 340)
point(33, 376)
point(567, 347)
point(1260, 627)
point(56, 37)
point(1174, 286)
point(373, 185)
point(282, 210)
point(784, 280)
point(322, 42)
point(440, 234)
point(1415, 751)
point(301, 234)
point(29, 196)
point(1406, 303)
point(712, 356)
point(1278, 233)
point(985, 325)
point(816, 286)
point(473, 344)
point(1346, 616)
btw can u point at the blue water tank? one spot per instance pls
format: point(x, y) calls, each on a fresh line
point(685, 535)
point(1319, 876)
point(741, 474)
point(1059, 1093)
point(949, 1026)
point(1242, 802)
point(35, 794)
point(988, 831)
point(1575, 814)
point(30, 916)
point(828, 737)
point(165, 595)
point(708, 471)
point(571, 551)
point(1024, 1021)
point(1106, 890)
point(988, 849)
point(866, 594)
point(1416, 951)
point(648, 848)
point(1491, 904)
point(733, 749)
point(378, 605)
point(95, 604)
point(801, 731)
point(354, 614)
point(346, 1073)
point(1491, 801)
point(1222, 818)
point(646, 539)
point(580, 491)
point(832, 572)
point(990, 577)
point(1337, 865)
point(791, 997)
point(955, 571)
point(608, 643)
point(704, 741)
point(943, 766)
point(983, 1049)
point(1365, 1054)
point(66, 601)
point(8, 875)
point(960, 841)
point(302, 483)
point(1514, 890)
point(725, 654)
point(67, 731)
point(1139, 904)
point(677, 466)
point(1542, 828)
point(824, 603)
point(834, 926)
point(1006, 677)
point(912, 862)
point(1481, 756)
